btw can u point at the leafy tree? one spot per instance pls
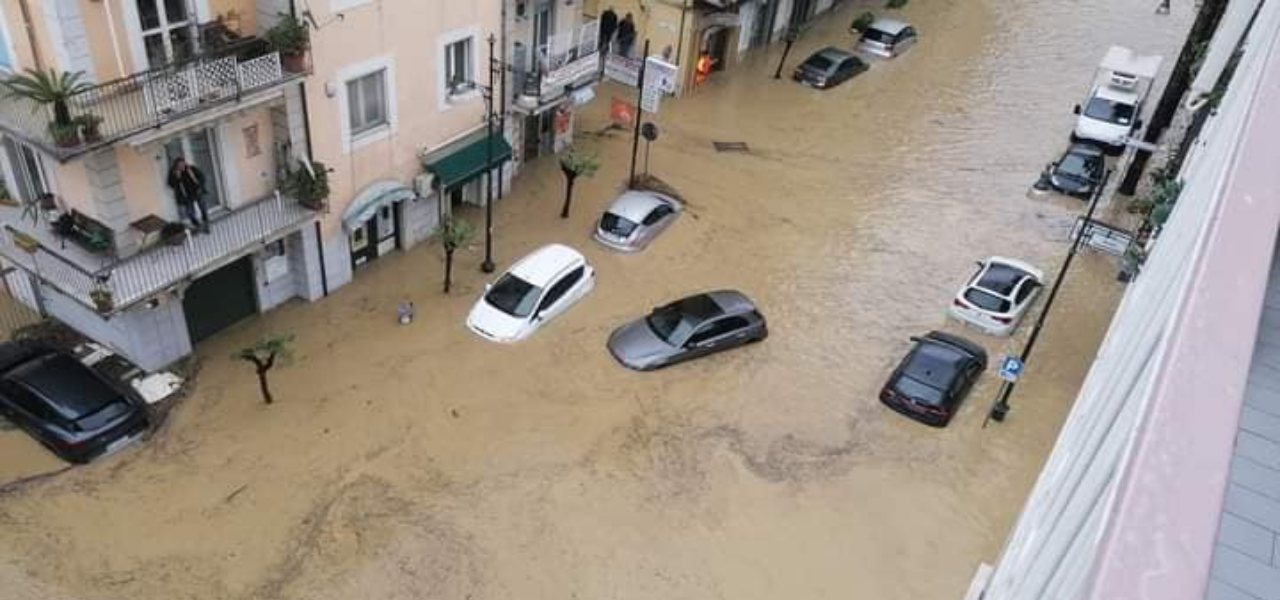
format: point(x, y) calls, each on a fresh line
point(265, 354)
point(454, 234)
point(49, 87)
point(574, 164)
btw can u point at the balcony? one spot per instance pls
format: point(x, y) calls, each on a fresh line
point(567, 62)
point(82, 275)
point(231, 72)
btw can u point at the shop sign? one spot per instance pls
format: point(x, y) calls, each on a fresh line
point(622, 69)
point(569, 73)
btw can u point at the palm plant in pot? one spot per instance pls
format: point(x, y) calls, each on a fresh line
point(51, 88)
point(309, 186)
point(291, 38)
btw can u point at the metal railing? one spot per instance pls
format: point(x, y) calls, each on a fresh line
point(148, 99)
point(161, 266)
point(565, 58)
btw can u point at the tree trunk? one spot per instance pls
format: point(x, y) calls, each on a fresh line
point(448, 269)
point(568, 195)
point(262, 383)
point(61, 113)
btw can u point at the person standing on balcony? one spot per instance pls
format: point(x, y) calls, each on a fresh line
point(626, 35)
point(187, 183)
point(608, 25)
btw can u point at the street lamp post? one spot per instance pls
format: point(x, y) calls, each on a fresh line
point(1001, 407)
point(487, 266)
point(789, 37)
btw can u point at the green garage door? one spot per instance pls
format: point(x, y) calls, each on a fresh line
point(219, 300)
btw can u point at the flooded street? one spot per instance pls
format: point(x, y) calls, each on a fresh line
point(421, 462)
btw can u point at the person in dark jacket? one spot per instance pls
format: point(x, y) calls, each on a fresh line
point(608, 26)
point(626, 35)
point(187, 183)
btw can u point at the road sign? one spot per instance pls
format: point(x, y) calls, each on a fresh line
point(622, 69)
point(1011, 368)
point(660, 74)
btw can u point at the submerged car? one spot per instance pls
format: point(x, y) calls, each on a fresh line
point(634, 219)
point(1079, 171)
point(1108, 117)
point(68, 407)
point(535, 290)
point(695, 326)
point(887, 38)
point(997, 296)
point(828, 68)
point(934, 378)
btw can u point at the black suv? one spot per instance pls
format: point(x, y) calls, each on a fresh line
point(70, 408)
point(934, 378)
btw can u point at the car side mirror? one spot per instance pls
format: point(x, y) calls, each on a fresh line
point(1076, 109)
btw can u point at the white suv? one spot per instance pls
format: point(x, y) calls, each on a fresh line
point(998, 295)
point(535, 290)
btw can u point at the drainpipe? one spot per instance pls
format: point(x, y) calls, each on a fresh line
point(306, 126)
point(684, 8)
point(31, 34)
point(115, 41)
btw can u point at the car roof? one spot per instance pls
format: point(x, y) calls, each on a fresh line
point(1001, 278)
point(1110, 93)
point(635, 205)
point(833, 53)
point(66, 385)
point(1085, 149)
point(934, 363)
point(543, 264)
point(889, 26)
point(732, 301)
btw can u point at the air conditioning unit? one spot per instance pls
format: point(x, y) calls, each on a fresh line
point(1123, 81)
point(422, 185)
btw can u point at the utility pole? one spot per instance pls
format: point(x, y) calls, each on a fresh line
point(487, 266)
point(635, 136)
point(790, 38)
point(1001, 406)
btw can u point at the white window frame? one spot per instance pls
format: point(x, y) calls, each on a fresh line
point(341, 5)
point(352, 141)
point(468, 81)
point(9, 46)
point(133, 29)
point(445, 97)
point(358, 102)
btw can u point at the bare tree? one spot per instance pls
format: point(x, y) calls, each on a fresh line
point(265, 354)
point(454, 234)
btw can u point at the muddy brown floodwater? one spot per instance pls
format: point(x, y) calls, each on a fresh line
point(420, 462)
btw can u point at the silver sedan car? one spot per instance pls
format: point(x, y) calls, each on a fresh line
point(635, 218)
point(688, 328)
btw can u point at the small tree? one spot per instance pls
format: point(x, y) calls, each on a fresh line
point(454, 234)
point(264, 355)
point(574, 164)
point(47, 88)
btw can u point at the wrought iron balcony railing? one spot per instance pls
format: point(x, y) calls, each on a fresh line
point(115, 110)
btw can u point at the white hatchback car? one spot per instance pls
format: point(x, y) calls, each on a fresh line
point(998, 295)
point(535, 290)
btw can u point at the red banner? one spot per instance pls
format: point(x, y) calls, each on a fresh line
point(622, 112)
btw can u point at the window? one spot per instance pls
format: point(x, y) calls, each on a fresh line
point(457, 66)
point(1025, 292)
point(166, 31)
point(656, 215)
point(561, 287)
point(6, 57)
point(714, 330)
point(367, 102)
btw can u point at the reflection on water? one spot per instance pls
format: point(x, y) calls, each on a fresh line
point(410, 462)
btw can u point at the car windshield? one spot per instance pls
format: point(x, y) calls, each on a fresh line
point(674, 322)
point(876, 35)
point(1109, 111)
point(619, 226)
point(919, 391)
point(1076, 167)
point(986, 301)
point(513, 296)
point(1001, 279)
point(818, 62)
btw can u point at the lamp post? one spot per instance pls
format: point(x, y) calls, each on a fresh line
point(1001, 406)
point(487, 266)
point(789, 37)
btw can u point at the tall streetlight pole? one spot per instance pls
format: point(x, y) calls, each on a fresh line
point(487, 266)
point(790, 38)
point(1001, 406)
point(639, 116)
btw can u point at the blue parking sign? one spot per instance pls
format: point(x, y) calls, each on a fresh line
point(1010, 368)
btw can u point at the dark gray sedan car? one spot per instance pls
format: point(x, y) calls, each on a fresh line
point(688, 328)
point(828, 68)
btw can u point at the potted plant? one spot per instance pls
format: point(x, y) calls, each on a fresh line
point(103, 300)
point(290, 37)
point(309, 186)
point(51, 88)
point(173, 234)
point(90, 128)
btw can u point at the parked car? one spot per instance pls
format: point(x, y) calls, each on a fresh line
point(634, 219)
point(68, 407)
point(887, 38)
point(934, 378)
point(696, 326)
point(828, 68)
point(997, 296)
point(1079, 171)
point(535, 290)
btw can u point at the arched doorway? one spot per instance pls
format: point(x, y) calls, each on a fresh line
point(715, 41)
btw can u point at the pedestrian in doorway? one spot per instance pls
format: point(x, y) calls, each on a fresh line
point(702, 70)
point(187, 183)
point(626, 35)
point(608, 26)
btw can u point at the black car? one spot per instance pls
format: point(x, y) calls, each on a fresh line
point(1079, 171)
point(934, 378)
point(696, 326)
point(828, 68)
point(68, 407)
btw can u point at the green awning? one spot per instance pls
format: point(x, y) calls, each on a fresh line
point(468, 162)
